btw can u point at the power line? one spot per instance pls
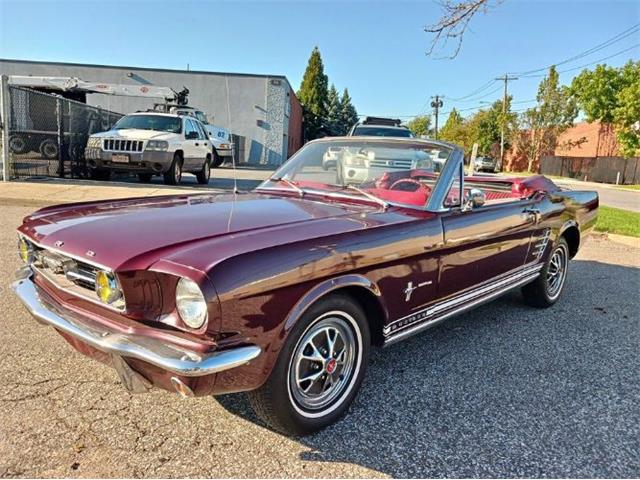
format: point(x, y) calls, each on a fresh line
point(586, 64)
point(483, 87)
point(600, 46)
point(616, 38)
point(498, 88)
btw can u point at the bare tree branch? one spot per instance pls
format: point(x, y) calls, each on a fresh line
point(456, 15)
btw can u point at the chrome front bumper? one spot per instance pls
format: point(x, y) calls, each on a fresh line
point(167, 357)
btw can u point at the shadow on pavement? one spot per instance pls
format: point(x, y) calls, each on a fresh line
point(503, 391)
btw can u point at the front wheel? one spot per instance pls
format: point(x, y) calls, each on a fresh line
point(545, 290)
point(319, 370)
point(173, 176)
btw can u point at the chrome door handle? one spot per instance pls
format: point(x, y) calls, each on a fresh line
point(532, 212)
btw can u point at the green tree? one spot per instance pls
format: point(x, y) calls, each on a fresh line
point(554, 113)
point(455, 130)
point(420, 125)
point(334, 112)
point(612, 96)
point(313, 95)
point(348, 113)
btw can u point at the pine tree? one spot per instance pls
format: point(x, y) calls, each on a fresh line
point(313, 95)
point(334, 112)
point(348, 113)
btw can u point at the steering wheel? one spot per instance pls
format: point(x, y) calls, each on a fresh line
point(409, 185)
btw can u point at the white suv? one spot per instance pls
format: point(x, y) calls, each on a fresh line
point(151, 143)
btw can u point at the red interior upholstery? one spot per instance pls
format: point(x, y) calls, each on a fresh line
point(418, 198)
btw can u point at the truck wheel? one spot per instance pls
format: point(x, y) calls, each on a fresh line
point(203, 175)
point(145, 177)
point(319, 370)
point(174, 174)
point(545, 290)
point(217, 160)
point(49, 149)
point(17, 144)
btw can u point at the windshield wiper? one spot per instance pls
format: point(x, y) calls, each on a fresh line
point(300, 191)
point(379, 201)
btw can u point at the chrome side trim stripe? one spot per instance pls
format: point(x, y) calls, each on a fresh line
point(439, 311)
point(423, 326)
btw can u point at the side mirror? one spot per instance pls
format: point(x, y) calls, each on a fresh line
point(191, 136)
point(476, 199)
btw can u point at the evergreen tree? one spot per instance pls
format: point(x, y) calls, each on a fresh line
point(348, 113)
point(334, 109)
point(313, 95)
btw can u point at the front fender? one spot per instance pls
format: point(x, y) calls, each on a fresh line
point(324, 288)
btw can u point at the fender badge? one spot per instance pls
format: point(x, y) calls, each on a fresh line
point(59, 243)
point(90, 253)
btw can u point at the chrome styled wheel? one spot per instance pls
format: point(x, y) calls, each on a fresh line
point(324, 364)
point(557, 271)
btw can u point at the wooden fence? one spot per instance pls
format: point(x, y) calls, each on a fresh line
point(594, 169)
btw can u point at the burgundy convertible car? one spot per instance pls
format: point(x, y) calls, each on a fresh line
point(281, 292)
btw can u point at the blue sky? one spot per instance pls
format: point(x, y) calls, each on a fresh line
point(376, 48)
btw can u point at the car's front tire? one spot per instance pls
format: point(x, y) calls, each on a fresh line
point(545, 290)
point(319, 370)
point(173, 176)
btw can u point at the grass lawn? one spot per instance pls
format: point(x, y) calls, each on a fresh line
point(616, 220)
point(628, 187)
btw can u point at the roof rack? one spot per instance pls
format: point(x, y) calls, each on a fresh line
point(391, 122)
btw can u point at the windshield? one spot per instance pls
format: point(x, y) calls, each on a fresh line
point(160, 123)
point(394, 171)
point(382, 132)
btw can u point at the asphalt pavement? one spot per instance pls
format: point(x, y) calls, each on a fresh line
point(505, 390)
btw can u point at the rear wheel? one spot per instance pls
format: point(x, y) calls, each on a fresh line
point(203, 175)
point(49, 149)
point(173, 176)
point(545, 290)
point(319, 370)
point(217, 160)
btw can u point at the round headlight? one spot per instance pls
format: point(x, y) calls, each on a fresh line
point(107, 287)
point(191, 304)
point(25, 250)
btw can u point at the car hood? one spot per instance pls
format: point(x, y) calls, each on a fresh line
point(135, 233)
point(135, 134)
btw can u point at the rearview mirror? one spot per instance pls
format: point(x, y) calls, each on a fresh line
point(191, 136)
point(475, 199)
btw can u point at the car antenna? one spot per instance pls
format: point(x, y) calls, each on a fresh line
point(233, 149)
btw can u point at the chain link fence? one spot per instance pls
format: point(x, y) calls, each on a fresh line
point(47, 134)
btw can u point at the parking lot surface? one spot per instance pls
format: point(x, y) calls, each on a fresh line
point(505, 390)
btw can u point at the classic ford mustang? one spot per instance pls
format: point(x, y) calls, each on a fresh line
point(282, 291)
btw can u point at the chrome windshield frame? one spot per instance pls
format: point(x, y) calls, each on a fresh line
point(453, 165)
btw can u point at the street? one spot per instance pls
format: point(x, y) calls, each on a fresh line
point(503, 391)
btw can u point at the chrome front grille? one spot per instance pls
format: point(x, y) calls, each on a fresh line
point(400, 164)
point(68, 274)
point(117, 145)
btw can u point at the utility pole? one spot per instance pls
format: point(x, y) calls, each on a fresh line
point(505, 79)
point(436, 103)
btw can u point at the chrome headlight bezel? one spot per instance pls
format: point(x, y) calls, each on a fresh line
point(157, 145)
point(191, 303)
point(94, 142)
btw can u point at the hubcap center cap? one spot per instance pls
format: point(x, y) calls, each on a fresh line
point(330, 367)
